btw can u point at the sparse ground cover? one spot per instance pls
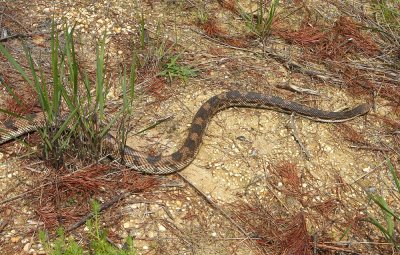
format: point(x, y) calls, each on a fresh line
point(263, 182)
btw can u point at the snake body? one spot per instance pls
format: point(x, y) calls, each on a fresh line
point(178, 160)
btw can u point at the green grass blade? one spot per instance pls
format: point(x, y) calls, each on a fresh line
point(142, 31)
point(345, 233)
point(125, 98)
point(39, 85)
point(11, 113)
point(15, 64)
point(383, 205)
point(64, 126)
point(10, 91)
point(72, 62)
point(394, 175)
point(88, 95)
point(56, 72)
point(132, 80)
point(100, 95)
point(109, 125)
point(376, 223)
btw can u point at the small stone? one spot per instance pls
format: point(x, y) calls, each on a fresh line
point(27, 247)
point(367, 170)
point(46, 10)
point(213, 234)
point(145, 247)
point(161, 228)
point(120, 52)
point(370, 189)
point(127, 225)
point(15, 239)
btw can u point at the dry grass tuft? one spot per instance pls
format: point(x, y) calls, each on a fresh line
point(349, 134)
point(295, 238)
point(335, 43)
point(52, 216)
point(229, 5)
point(327, 207)
point(66, 197)
point(89, 181)
point(23, 102)
point(339, 48)
point(211, 28)
point(290, 178)
point(134, 181)
point(156, 88)
point(393, 124)
point(278, 231)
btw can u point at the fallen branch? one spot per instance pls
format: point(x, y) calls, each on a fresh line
point(293, 128)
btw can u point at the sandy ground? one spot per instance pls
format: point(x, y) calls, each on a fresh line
point(243, 153)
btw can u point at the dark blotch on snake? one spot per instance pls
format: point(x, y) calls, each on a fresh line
point(202, 113)
point(177, 156)
point(196, 128)
point(10, 124)
point(191, 144)
point(233, 94)
point(153, 159)
point(254, 95)
point(31, 116)
point(214, 101)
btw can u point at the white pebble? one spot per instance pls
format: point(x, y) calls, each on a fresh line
point(161, 228)
point(27, 247)
point(367, 169)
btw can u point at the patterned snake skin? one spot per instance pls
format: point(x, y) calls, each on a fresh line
point(178, 160)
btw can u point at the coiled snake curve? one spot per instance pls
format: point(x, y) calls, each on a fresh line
point(178, 160)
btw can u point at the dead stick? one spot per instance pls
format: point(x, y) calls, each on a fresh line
point(292, 126)
point(329, 247)
point(215, 206)
point(103, 207)
point(3, 224)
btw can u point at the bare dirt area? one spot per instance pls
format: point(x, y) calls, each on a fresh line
point(263, 182)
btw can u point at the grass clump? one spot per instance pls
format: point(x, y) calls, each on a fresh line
point(98, 243)
point(260, 23)
point(387, 223)
point(73, 108)
point(389, 11)
point(174, 70)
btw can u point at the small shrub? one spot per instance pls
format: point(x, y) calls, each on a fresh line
point(98, 243)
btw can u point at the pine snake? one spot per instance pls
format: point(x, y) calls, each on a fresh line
point(178, 160)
